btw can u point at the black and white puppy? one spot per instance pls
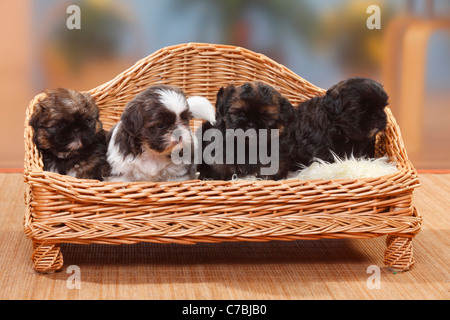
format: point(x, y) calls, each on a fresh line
point(69, 134)
point(154, 128)
point(253, 108)
point(345, 121)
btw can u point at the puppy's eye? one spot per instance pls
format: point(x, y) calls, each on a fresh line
point(238, 114)
point(268, 117)
point(161, 126)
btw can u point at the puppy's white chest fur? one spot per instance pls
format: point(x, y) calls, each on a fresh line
point(147, 166)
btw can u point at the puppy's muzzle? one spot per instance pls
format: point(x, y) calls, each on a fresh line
point(180, 136)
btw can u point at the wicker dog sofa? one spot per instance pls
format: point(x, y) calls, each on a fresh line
point(63, 209)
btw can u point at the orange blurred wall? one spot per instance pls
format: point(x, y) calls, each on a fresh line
point(15, 80)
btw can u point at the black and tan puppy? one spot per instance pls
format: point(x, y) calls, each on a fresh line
point(69, 134)
point(345, 121)
point(253, 135)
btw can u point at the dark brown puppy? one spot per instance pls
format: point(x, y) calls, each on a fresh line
point(69, 134)
point(246, 110)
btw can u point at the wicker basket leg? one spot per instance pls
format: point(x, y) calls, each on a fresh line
point(47, 257)
point(399, 253)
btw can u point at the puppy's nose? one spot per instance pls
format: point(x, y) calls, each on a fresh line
point(250, 125)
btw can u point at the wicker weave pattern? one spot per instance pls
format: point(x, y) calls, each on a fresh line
point(63, 209)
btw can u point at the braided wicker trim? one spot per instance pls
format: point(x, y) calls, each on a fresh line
point(123, 228)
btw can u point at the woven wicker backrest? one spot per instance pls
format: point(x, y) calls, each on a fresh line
point(198, 69)
point(201, 69)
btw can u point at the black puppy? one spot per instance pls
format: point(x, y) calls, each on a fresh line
point(245, 117)
point(344, 121)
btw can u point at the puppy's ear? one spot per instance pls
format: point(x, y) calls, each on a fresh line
point(287, 111)
point(92, 104)
point(133, 118)
point(39, 114)
point(35, 117)
point(223, 96)
point(288, 117)
point(220, 102)
point(332, 101)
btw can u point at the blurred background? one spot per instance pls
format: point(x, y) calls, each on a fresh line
point(322, 41)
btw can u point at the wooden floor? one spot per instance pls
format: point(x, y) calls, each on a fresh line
point(321, 269)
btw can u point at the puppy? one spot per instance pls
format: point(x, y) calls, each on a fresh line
point(244, 136)
point(152, 141)
point(69, 134)
point(344, 121)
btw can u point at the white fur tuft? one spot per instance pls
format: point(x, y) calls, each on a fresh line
point(347, 168)
point(172, 100)
point(201, 108)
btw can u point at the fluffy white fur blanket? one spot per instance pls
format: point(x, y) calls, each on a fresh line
point(348, 168)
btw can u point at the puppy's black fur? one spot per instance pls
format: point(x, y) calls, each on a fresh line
point(251, 106)
point(345, 121)
point(69, 134)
